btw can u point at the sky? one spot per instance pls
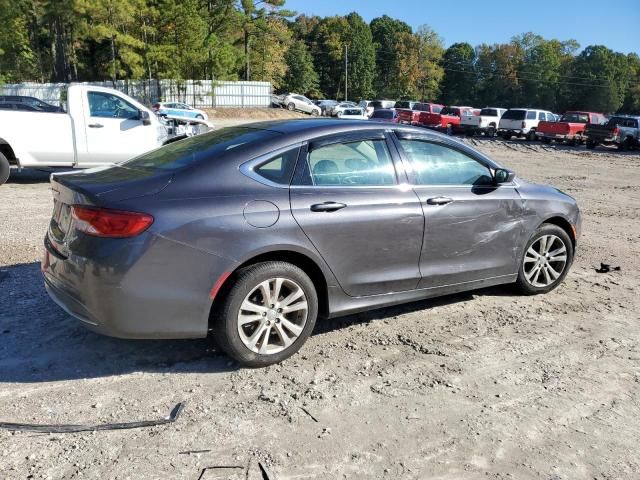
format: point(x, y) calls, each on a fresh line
point(615, 24)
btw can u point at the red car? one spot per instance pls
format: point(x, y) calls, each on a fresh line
point(409, 112)
point(570, 128)
point(448, 119)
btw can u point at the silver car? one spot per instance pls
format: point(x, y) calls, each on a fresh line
point(301, 103)
point(250, 234)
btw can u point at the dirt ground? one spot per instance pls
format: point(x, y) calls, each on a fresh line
point(481, 385)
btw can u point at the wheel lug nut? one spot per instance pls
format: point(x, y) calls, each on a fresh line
point(264, 314)
point(279, 310)
point(272, 305)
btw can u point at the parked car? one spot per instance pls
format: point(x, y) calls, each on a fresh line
point(353, 114)
point(377, 104)
point(24, 107)
point(294, 102)
point(485, 123)
point(448, 120)
point(177, 109)
point(326, 105)
point(367, 106)
point(294, 220)
point(385, 115)
point(38, 104)
point(522, 122)
point(412, 116)
point(102, 126)
point(622, 131)
point(570, 128)
point(337, 110)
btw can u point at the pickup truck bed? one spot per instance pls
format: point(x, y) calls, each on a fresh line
point(622, 131)
point(570, 128)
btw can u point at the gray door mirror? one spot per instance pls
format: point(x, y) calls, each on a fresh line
point(502, 175)
point(144, 116)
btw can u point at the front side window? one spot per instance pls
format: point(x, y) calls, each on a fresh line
point(107, 105)
point(436, 164)
point(360, 163)
point(542, 116)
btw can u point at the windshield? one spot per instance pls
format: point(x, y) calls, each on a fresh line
point(194, 149)
point(575, 117)
point(451, 111)
point(514, 115)
point(404, 104)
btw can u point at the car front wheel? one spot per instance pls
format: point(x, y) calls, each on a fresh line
point(291, 107)
point(267, 315)
point(546, 260)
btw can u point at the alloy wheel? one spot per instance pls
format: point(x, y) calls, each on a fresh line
point(272, 316)
point(545, 261)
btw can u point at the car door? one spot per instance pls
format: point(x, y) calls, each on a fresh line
point(473, 228)
point(359, 213)
point(113, 130)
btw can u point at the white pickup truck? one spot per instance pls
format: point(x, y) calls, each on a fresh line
point(101, 126)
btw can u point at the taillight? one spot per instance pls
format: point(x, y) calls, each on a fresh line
point(524, 124)
point(104, 222)
point(616, 131)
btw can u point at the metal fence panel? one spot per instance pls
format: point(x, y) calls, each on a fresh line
point(197, 93)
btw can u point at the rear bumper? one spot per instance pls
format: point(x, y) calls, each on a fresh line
point(150, 288)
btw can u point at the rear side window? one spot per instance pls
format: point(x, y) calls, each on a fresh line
point(531, 115)
point(279, 169)
point(205, 147)
point(360, 163)
point(436, 164)
point(436, 109)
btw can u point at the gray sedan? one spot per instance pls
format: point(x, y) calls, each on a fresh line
point(249, 234)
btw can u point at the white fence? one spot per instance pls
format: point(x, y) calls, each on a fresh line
point(197, 93)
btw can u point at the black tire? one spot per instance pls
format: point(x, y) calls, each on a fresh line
point(314, 113)
point(491, 131)
point(523, 285)
point(591, 144)
point(531, 135)
point(5, 169)
point(291, 107)
point(449, 130)
point(624, 145)
point(546, 140)
point(506, 136)
point(225, 327)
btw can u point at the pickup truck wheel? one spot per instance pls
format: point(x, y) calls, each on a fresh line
point(531, 136)
point(591, 144)
point(624, 145)
point(506, 136)
point(546, 140)
point(491, 132)
point(291, 107)
point(449, 129)
point(5, 169)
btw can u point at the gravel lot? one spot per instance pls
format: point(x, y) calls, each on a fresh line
point(481, 385)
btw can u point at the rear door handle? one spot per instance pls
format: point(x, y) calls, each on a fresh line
point(439, 200)
point(327, 207)
point(95, 125)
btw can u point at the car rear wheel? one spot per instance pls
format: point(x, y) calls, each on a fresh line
point(546, 260)
point(291, 107)
point(491, 131)
point(315, 113)
point(506, 136)
point(591, 144)
point(5, 169)
point(267, 315)
point(531, 136)
point(449, 129)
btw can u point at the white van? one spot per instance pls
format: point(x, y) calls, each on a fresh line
point(522, 122)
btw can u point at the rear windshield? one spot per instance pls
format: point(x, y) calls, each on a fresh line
point(404, 104)
point(574, 117)
point(489, 112)
point(450, 111)
point(514, 115)
point(353, 111)
point(622, 122)
point(383, 114)
point(194, 149)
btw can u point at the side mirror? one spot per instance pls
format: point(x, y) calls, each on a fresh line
point(502, 175)
point(144, 116)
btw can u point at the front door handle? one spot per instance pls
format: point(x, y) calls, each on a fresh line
point(439, 200)
point(95, 125)
point(327, 207)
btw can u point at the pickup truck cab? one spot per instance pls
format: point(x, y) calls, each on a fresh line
point(410, 115)
point(486, 122)
point(570, 128)
point(449, 119)
point(522, 122)
point(623, 131)
point(102, 126)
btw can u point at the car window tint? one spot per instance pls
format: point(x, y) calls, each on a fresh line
point(531, 115)
point(279, 169)
point(542, 116)
point(362, 163)
point(106, 105)
point(439, 165)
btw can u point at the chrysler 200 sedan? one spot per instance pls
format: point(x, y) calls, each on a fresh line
point(249, 234)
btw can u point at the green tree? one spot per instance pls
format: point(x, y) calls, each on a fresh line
point(388, 35)
point(460, 79)
point(361, 57)
point(301, 76)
